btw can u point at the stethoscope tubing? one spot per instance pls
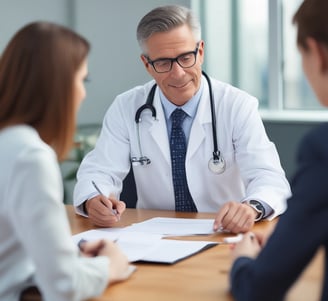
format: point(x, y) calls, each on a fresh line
point(216, 163)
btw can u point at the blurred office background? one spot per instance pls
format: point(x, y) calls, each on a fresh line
point(248, 43)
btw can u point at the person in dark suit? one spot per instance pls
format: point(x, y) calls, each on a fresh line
point(265, 268)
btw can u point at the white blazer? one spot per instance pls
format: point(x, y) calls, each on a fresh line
point(36, 246)
point(253, 169)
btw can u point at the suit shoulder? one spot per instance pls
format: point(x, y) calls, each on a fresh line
point(314, 144)
point(317, 134)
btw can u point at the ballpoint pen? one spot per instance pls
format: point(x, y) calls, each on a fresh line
point(233, 239)
point(95, 251)
point(114, 211)
point(81, 242)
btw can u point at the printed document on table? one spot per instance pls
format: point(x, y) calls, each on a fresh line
point(148, 247)
point(134, 245)
point(174, 226)
point(171, 251)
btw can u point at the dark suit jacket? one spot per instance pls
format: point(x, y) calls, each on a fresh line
point(301, 230)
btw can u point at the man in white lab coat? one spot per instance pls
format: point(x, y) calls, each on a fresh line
point(248, 183)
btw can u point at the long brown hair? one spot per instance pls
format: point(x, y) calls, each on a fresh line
point(37, 71)
point(311, 21)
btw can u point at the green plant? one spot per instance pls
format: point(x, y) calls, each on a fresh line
point(85, 140)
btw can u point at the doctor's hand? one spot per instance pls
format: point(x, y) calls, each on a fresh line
point(103, 211)
point(235, 217)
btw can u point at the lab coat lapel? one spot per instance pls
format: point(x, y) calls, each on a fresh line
point(203, 116)
point(158, 130)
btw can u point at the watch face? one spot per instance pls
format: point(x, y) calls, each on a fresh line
point(256, 204)
point(258, 207)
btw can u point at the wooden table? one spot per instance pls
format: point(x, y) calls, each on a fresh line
point(204, 276)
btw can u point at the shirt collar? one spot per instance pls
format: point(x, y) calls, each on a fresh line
point(190, 107)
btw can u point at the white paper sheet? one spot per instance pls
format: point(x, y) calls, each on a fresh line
point(143, 241)
point(174, 226)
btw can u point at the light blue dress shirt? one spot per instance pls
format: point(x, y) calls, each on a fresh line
point(190, 107)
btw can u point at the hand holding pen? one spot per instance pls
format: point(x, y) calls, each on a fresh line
point(114, 211)
point(104, 211)
point(119, 267)
point(91, 249)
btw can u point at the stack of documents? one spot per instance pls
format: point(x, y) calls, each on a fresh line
point(144, 241)
point(174, 226)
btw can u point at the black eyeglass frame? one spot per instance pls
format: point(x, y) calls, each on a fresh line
point(172, 60)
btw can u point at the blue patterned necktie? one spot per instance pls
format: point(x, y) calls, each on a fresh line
point(183, 199)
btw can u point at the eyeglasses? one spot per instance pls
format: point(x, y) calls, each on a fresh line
point(184, 60)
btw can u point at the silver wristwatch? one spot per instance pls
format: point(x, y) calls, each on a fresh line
point(258, 207)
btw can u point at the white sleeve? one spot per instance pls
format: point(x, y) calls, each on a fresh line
point(109, 162)
point(41, 224)
point(258, 158)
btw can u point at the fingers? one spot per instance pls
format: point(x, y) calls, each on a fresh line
point(119, 264)
point(248, 239)
point(234, 217)
point(110, 204)
point(91, 248)
point(117, 204)
point(100, 211)
point(249, 246)
point(262, 238)
point(220, 216)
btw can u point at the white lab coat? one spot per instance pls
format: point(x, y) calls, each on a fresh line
point(36, 246)
point(253, 169)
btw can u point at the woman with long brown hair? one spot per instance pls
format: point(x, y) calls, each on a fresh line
point(41, 87)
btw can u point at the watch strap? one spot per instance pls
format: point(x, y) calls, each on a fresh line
point(258, 207)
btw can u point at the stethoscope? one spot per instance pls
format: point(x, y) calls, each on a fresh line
point(216, 164)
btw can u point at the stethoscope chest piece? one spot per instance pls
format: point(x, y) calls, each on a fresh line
point(217, 166)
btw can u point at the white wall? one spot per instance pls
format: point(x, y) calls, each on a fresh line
point(114, 62)
point(110, 26)
point(16, 13)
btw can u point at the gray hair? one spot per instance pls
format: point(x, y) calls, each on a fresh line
point(166, 18)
